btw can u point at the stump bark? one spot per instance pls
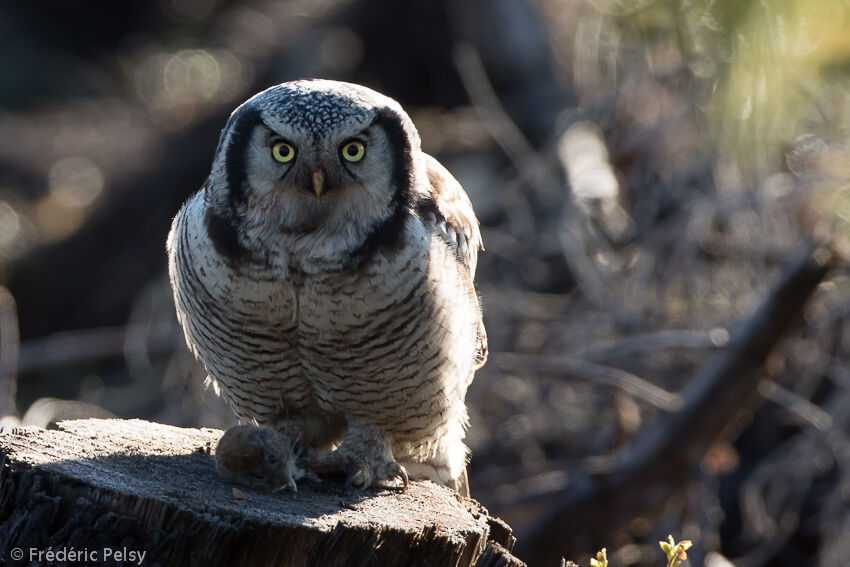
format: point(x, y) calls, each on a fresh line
point(130, 485)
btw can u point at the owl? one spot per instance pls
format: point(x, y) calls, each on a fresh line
point(323, 275)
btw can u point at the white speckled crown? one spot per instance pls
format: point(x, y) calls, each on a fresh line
point(318, 105)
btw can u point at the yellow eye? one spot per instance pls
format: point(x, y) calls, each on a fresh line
point(283, 152)
point(353, 151)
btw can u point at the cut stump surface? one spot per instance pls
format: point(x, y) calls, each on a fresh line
point(136, 485)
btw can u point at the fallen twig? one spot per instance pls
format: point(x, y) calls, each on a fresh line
point(660, 458)
point(9, 350)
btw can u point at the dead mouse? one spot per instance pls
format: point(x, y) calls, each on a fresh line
point(259, 457)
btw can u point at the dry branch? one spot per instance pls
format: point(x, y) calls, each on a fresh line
point(9, 345)
point(87, 345)
point(149, 487)
point(661, 457)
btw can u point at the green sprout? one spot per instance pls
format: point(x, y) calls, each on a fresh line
point(601, 559)
point(675, 551)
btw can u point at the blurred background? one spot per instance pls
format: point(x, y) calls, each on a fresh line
point(641, 170)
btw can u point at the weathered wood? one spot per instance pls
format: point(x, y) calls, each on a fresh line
point(96, 484)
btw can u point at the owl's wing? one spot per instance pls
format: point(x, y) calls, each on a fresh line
point(447, 210)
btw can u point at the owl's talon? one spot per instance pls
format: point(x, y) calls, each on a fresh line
point(288, 485)
point(360, 474)
point(405, 481)
point(360, 477)
point(395, 470)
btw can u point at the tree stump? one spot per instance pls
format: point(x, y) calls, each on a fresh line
point(109, 486)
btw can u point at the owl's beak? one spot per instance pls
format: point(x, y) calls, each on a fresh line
point(318, 177)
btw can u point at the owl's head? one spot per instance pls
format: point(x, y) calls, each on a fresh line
point(311, 156)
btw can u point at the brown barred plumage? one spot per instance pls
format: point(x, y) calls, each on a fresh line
point(350, 320)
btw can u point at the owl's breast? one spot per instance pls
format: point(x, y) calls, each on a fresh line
point(388, 340)
point(239, 321)
point(346, 314)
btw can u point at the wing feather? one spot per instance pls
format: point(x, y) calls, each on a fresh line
point(447, 211)
point(447, 208)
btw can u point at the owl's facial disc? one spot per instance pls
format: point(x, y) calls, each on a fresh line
point(320, 170)
point(297, 180)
